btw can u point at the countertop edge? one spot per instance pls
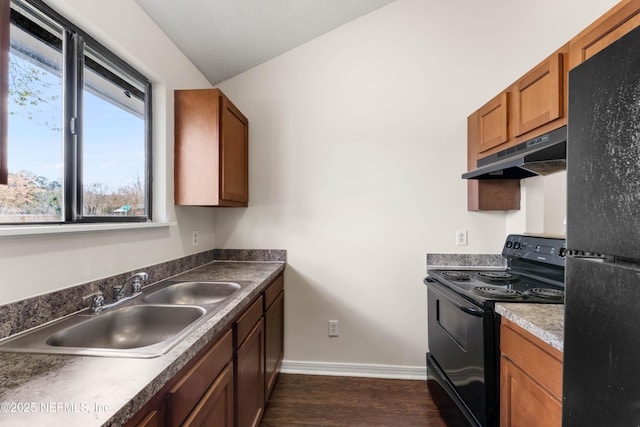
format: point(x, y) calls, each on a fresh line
point(544, 321)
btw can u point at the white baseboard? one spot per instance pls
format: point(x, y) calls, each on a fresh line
point(354, 370)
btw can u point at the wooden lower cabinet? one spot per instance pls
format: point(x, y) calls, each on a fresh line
point(274, 333)
point(201, 391)
point(530, 379)
point(228, 383)
point(249, 367)
point(216, 406)
point(152, 419)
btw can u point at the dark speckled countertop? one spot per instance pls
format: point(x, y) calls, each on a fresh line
point(59, 390)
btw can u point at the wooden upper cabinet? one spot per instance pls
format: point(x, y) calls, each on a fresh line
point(235, 154)
point(211, 150)
point(617, 22)
point(538, 96)
point(487, 195)
point(493, 123)
point(533, 105)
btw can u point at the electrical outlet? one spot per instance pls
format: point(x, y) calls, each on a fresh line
point(461, 237)
point(333, 328)
point(195, 241)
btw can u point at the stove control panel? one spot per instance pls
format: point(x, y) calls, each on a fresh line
point(535, 248)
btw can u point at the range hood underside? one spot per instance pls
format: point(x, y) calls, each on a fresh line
point(543, 155)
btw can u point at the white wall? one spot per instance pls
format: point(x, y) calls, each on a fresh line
point(357, 143)
point(34, 265)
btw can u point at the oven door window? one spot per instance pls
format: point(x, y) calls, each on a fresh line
point(453, 323)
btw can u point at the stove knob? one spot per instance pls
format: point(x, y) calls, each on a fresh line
point(562, 252)
point(509, 244)
point(516, 245)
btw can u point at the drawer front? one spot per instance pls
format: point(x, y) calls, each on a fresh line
point(245, 324)
point(273, 291)
point(541, 361)
point(183, 397)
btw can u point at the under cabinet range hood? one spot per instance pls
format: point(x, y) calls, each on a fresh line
point(543, 155)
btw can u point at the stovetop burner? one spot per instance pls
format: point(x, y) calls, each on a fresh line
point(497, 292)
point(458, 276)
point(547, 293)
point(496, 276)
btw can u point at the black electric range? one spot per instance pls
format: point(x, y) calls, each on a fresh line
point(463, 357)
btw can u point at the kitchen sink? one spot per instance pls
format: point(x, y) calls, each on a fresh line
point(139, 331)
point(129, 327)
point(198, 293)
point(143, 326)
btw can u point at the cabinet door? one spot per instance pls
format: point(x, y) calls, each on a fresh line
point(538, 96)
point(216, 406)
point(184, 396)
point(530, 379)
point(250, 378)
point(274, 342)
point(523, 402)
point(493, 123)
point(234, 146)
point(617, 22)
point(211, 150)
point(196, 148)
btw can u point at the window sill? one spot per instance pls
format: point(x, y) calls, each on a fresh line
point(41, 230)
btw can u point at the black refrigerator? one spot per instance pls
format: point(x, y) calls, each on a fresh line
point(601, 374)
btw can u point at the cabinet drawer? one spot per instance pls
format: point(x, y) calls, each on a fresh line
point(541, 361)
point(183, 396)
point(273, 291)
point(245, 324)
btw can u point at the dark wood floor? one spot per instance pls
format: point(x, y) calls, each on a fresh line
point(312, 400)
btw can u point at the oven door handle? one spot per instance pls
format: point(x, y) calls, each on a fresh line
point(470, 310)
point(433, 284)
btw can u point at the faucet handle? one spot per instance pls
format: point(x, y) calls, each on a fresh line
point(136, 287)
point(97, 301)
point(138, 278)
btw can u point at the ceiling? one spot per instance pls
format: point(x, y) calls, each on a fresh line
point(224, 38)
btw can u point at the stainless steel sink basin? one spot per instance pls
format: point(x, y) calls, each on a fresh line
point(139, 331)
point(129, 327)
point(145, 326)
point(196, 293)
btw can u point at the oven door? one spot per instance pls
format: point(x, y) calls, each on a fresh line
point(457, 345)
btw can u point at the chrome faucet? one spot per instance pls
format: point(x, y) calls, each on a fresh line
point(134, 282)
point(119, 293)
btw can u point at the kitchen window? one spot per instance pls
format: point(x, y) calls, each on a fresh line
point(79, 120)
